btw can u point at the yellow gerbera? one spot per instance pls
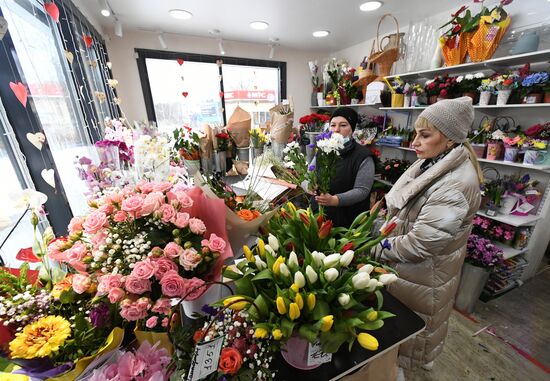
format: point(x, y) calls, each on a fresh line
point(41, 338)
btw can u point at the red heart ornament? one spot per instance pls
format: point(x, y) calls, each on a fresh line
point(20, 92)
point(52, 10)
point(180, 61)
point(221, 94)
point(87, 40)
point(185, 94)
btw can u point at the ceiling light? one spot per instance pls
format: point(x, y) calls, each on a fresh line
point(161, 40)
point(180, 14)
point(220, 46)
point(118, 28)
point(321, 33)
point(370, 6)
point(259, 25)
point(105, 9)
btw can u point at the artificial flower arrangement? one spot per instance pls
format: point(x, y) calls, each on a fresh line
point(222, 140)
point(514, 139)
point(367, 128)
point(506, 81)
point(292, 288)
point(257, 137)
point(152, 157)
point(98, 177)
point(187, 143)
point(469, 83)
point(540, 131)
point(314, 122)
point(487, 84)
point(481, 252)
point(534, 83)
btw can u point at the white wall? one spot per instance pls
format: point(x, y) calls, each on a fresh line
point(121, 54)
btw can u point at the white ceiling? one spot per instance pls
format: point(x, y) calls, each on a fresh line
point(292, 21)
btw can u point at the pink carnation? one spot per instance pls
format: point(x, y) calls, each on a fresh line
point(81, 283)
point(162, 306)
point(114, 198)
point(152, 322)
point(162, 266)
point(132, 204)
point(144, 269)
point(197, 226)
point(116, 294)
point(120, 216)
point(95, 221)
point(190, 259)
point(182, 220)
point(162, 187)
point(172, 284)
point(108, 282)
point(152, 202)
point(137, 285)
point(216, 243)
point(131, 311)
point(75, 225)
point(173, 250)
point(167, 213)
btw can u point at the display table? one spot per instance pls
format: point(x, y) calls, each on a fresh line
point(395, 331)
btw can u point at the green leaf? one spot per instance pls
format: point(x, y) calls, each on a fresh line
point(353, 322)
point(245, 287)
point(371, 325)
point(321, 310)
point(384, 315)
point(262, 304)
point(332, 243)
point(331, 341)
point(231, 274)
point(379, 299)
point(264, 274)
point(287, 327)
point(308, 332)
point(67, 296)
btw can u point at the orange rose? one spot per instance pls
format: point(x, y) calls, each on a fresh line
point(248, 215)
point(230, 361)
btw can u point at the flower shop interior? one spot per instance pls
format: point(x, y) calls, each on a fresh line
point(165, 163)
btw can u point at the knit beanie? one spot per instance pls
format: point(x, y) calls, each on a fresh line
point(453, 117)
point(348, 113)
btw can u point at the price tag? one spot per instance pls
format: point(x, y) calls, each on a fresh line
point(205, 359)
point(316, 356)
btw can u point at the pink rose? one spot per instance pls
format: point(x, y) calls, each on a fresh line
point(216, 243)
point(116, 295)
point(81, 283)
point(144, 303)
point(132, 204)
point(56, 249)
point(152, 322)
point(193, 288)
point(197, 226)
point(114, 198)
point(144, 269)
point(167, 213)
point(163, 186)
point(145, 187)
point(131, 311)
point(75, 225)
point(107, 209)
point(162, 306)
point(77, 252)
point(172, 198)
point(182, 220)
point(162, 266)
point(185, 200)
point(152, 202)
point(120, 216)
point(172, 284)
point(108, 282)
point(94, 222)
point(173, 250)
point(165, 322)
point(136, 285)
point(190, 259)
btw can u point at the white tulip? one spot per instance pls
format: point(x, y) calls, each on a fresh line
point(260, 264)
point(346, 258)
point(270, 250)
point(299, 279)
point(360, 280)
point(318, 258)
point(343, 299)
point(284, 270)
point(293, 260)
point(273, 242)
point(366, 269)
point(332, 260)
point(371, 286)
point(311, 274)
point(387, 278)
point(331, 274)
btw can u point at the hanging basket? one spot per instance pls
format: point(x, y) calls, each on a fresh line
point(454, 51)
point(485, 39)
point(385, 57)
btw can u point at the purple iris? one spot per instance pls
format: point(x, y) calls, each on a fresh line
point(311, 167)
point(386, 244)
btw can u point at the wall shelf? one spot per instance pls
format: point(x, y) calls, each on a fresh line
point(488, 107)
point(509, 252)
point(537, 167)
point(335, 107)
point(511, 219)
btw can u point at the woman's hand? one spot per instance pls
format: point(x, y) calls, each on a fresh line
point(326, 199)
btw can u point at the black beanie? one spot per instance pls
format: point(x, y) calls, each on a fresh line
point(348, 113)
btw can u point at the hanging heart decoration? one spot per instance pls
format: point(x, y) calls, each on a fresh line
point(69, 56)
point(88, 40)
point(112, 83)
point(100, 96)
point(20, 92)
point(180, 61)
point(185, 94)
point(52, 10)
point(49, 176)
point(109, 65)
point(117, 101)
point(36, 139)
point(221, 94)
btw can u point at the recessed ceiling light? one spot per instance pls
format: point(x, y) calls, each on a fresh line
point(370, 6)
point(321, 33)
point(180, 14)
point(259, 25)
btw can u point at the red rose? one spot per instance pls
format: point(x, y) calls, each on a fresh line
point(230, 361)
point(197, 336)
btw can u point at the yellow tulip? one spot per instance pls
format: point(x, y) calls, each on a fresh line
point(291, 207)
point(248, 254)
point(261, 248)
point(281, 305)
point(277, 334)
point(260, 333)
point(277, 265)
point(293, 311)
point(236, 303)
point(311, 301)
point(372, 316)
point(295, 288)
point(299, 301)
point(326, 323)
point(368, 341)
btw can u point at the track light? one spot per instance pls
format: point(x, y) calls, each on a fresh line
point(118, 28)
point(105, 9)
point(272, 46)
point(220, 46)
point(161, 40)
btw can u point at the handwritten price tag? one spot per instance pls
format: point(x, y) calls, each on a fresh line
point(316, 356)
point(205, 359)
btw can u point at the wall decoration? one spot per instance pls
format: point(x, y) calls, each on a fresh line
point(88, 40)
point(20, 92)
point(69, 56)
point(52, 10)
point(49, 176)
point(221, 94)
point(36, 139)
point(180, 61)
point(100, 96)
point(185, 94)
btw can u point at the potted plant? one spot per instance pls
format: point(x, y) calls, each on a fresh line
point(486, 88)
point(512, 144)
point(396, 87)
point(533, 154)
point(258, 139)
point(505, 83)
point(492, 191)
point(533, 86)
point(468, 84)
point(187, 143)
point(441, 87)
point(478, 139)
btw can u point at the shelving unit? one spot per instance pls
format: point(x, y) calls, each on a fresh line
point(510, 219)
point(509, 252)
point(487, 107)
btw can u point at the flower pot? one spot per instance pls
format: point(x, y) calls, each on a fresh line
point(471, 285)
point(221, 162)
point(532, 156)
point(511, 154)
point(432, 99)
point(502, 97)
point(484, 98)
point(243, 153)
point(414, 101)
point(257, 151)
point(296, 353)
point(472, 95)
point(192, 308)
point(192, 166)
point(479, 149)
point(278, 149)
point(546, 97)
point(397, 100)
point(310, 148)
point(494, 150)
point(532, 98)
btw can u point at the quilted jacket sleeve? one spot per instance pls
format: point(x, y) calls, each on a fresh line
point(438, 222)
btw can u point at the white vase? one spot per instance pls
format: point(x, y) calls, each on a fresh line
point(407, 101)
point(502, 97)
point(484, 98)
point(221, 162)
point(320, 99)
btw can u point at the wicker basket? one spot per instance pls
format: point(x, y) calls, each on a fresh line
point(384, 58)
point(484, 41)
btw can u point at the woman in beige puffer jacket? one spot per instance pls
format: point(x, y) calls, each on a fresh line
point(434, 203)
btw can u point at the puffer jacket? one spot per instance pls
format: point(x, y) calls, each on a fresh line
point(434, 211)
